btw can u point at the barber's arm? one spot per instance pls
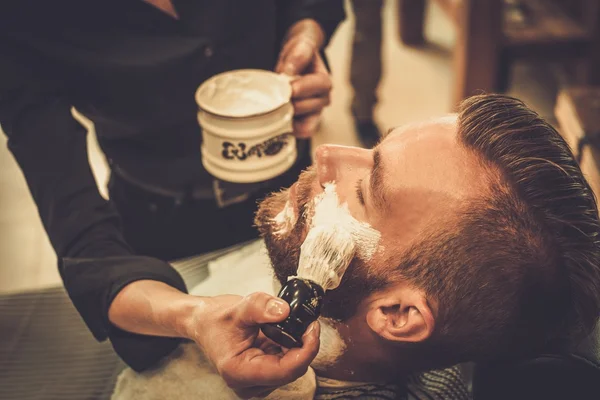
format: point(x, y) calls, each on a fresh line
point(306, 27)
point(50, 147)
point(226, 328)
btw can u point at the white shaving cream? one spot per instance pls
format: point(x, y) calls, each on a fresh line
point(243, 93)
point(332, 346)
point(285, 220)
point(328, 211)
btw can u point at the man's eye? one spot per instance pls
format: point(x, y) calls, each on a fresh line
point(359, 192)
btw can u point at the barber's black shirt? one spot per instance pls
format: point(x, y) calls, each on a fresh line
point(133, 70)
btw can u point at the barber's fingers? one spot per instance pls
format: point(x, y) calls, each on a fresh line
point(255, 368)
point(260, 308)
point(312, 85)
point(311, 105)
point(299, 359)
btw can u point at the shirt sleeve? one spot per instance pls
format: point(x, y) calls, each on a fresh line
point(328, 13)
point(50, 147)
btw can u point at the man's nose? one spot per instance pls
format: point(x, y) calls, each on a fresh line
point(333, 161)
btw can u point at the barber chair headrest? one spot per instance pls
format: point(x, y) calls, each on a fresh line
point(573, 374)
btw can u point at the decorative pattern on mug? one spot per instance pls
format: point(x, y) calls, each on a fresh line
point(267, 148)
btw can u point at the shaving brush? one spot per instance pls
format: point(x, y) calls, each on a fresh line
point(324, 258)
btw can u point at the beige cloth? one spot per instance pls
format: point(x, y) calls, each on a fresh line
point(188, 375)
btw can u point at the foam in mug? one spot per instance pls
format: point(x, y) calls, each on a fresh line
point(246, 119)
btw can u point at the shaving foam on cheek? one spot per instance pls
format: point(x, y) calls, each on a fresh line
point(285, 220)
point(329, 212)
point(332, 230)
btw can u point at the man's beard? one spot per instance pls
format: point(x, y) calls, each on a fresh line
point(284, 250)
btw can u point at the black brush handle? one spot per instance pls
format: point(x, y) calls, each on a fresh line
point(304, 297)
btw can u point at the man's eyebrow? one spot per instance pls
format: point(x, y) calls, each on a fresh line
point(376, 182)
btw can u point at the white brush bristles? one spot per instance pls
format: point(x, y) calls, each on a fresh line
point(325, 255)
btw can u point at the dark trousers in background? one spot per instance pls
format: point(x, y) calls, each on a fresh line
point(365, 68)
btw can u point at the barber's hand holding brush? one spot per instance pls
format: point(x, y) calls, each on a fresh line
point(227, 329)
point(230, 337)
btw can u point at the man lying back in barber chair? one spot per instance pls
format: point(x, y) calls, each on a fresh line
point(488, 250)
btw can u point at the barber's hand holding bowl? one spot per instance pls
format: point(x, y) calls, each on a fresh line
point(227, 329)
point(311, 86)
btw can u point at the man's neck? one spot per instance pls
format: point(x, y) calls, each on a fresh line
point(349, 354)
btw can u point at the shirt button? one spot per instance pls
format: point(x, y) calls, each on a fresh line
point(208, 52)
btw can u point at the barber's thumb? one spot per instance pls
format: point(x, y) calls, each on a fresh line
point(260, 308)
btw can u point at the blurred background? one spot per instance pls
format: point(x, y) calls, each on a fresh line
point(433, 53)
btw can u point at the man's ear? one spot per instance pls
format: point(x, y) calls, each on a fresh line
point(401, 314)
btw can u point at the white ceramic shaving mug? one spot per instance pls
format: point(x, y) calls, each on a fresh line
point(246, 119)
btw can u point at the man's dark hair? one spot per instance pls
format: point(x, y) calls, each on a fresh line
point(519, 270)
